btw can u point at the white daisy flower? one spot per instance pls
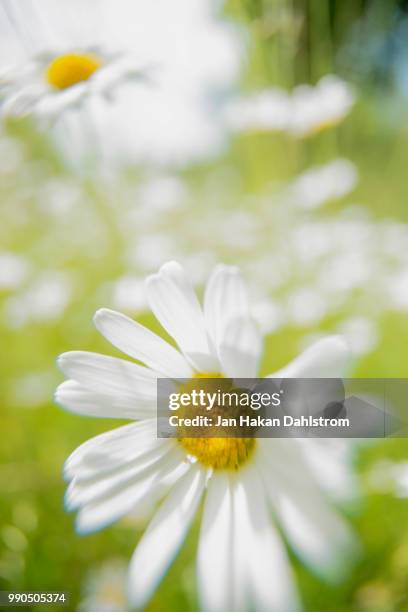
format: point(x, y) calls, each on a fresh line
point(54, 56)
point(105, 588)
point(53, 81)
point(361, 333)
point(315, 109)
point(242, 563)
point(45, 299)
point(390, 477)
point(304, 112)
point(129, 294)
point(13, 270)
point(401, 479)
point(265, 110)
point(321, 184)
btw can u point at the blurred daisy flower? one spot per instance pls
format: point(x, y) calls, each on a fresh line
point(304, 112)
point(55, 60)
point(50, 82)
point(13, 270)
point(321, 184)
point(55, 57)
point(242, 562)
point(389, 477)
point(315, 109)
point(105, 588)
point(45, 299)
point(267, 110)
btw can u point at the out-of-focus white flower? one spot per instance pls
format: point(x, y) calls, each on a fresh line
point(393, 238)
point(269, 271)
point(350, 259)
point(59, 196)
point(198, 265)
point(187, 56)
point(163, 193)
point(401, 479)
point(268, 315)
point(242, 229)
point(105, 588)
point(346, 271)
point(305, 111)
point(13, 270)
point(49, 83)
point(242, 563)
point(152, 250)
point(129, 294)
point(323, 106)
point(32, 390)
point(360, 333)
point(321, 184)
point(397, 290)
point(390, 477)
point(11, 155)
point(180, 120)
point(44, 300)
point(306, 306)
point(266, 110)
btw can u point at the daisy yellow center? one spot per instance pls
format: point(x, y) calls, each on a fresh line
point(215, 451)
point(67, 70)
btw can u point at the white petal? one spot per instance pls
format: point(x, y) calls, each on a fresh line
point(234, 334)
point(99, 514)
point(22, 102)
point(119, 444)
point(53, 104)
point(242, 564)
point(164, 536)
point(87, 488)
point(215, 549)
point(108, 374)
point(317, 533)
point(140, 343)
point(327, 358)
point(241, 349)
point(330, 461)
point(268, 572)
point(225, 300)
point(175, 304)
point(78, 399)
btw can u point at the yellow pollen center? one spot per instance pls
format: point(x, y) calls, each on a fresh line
point(215, 451)
point(67, 70)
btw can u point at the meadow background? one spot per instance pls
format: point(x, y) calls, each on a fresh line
point(72, 242)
